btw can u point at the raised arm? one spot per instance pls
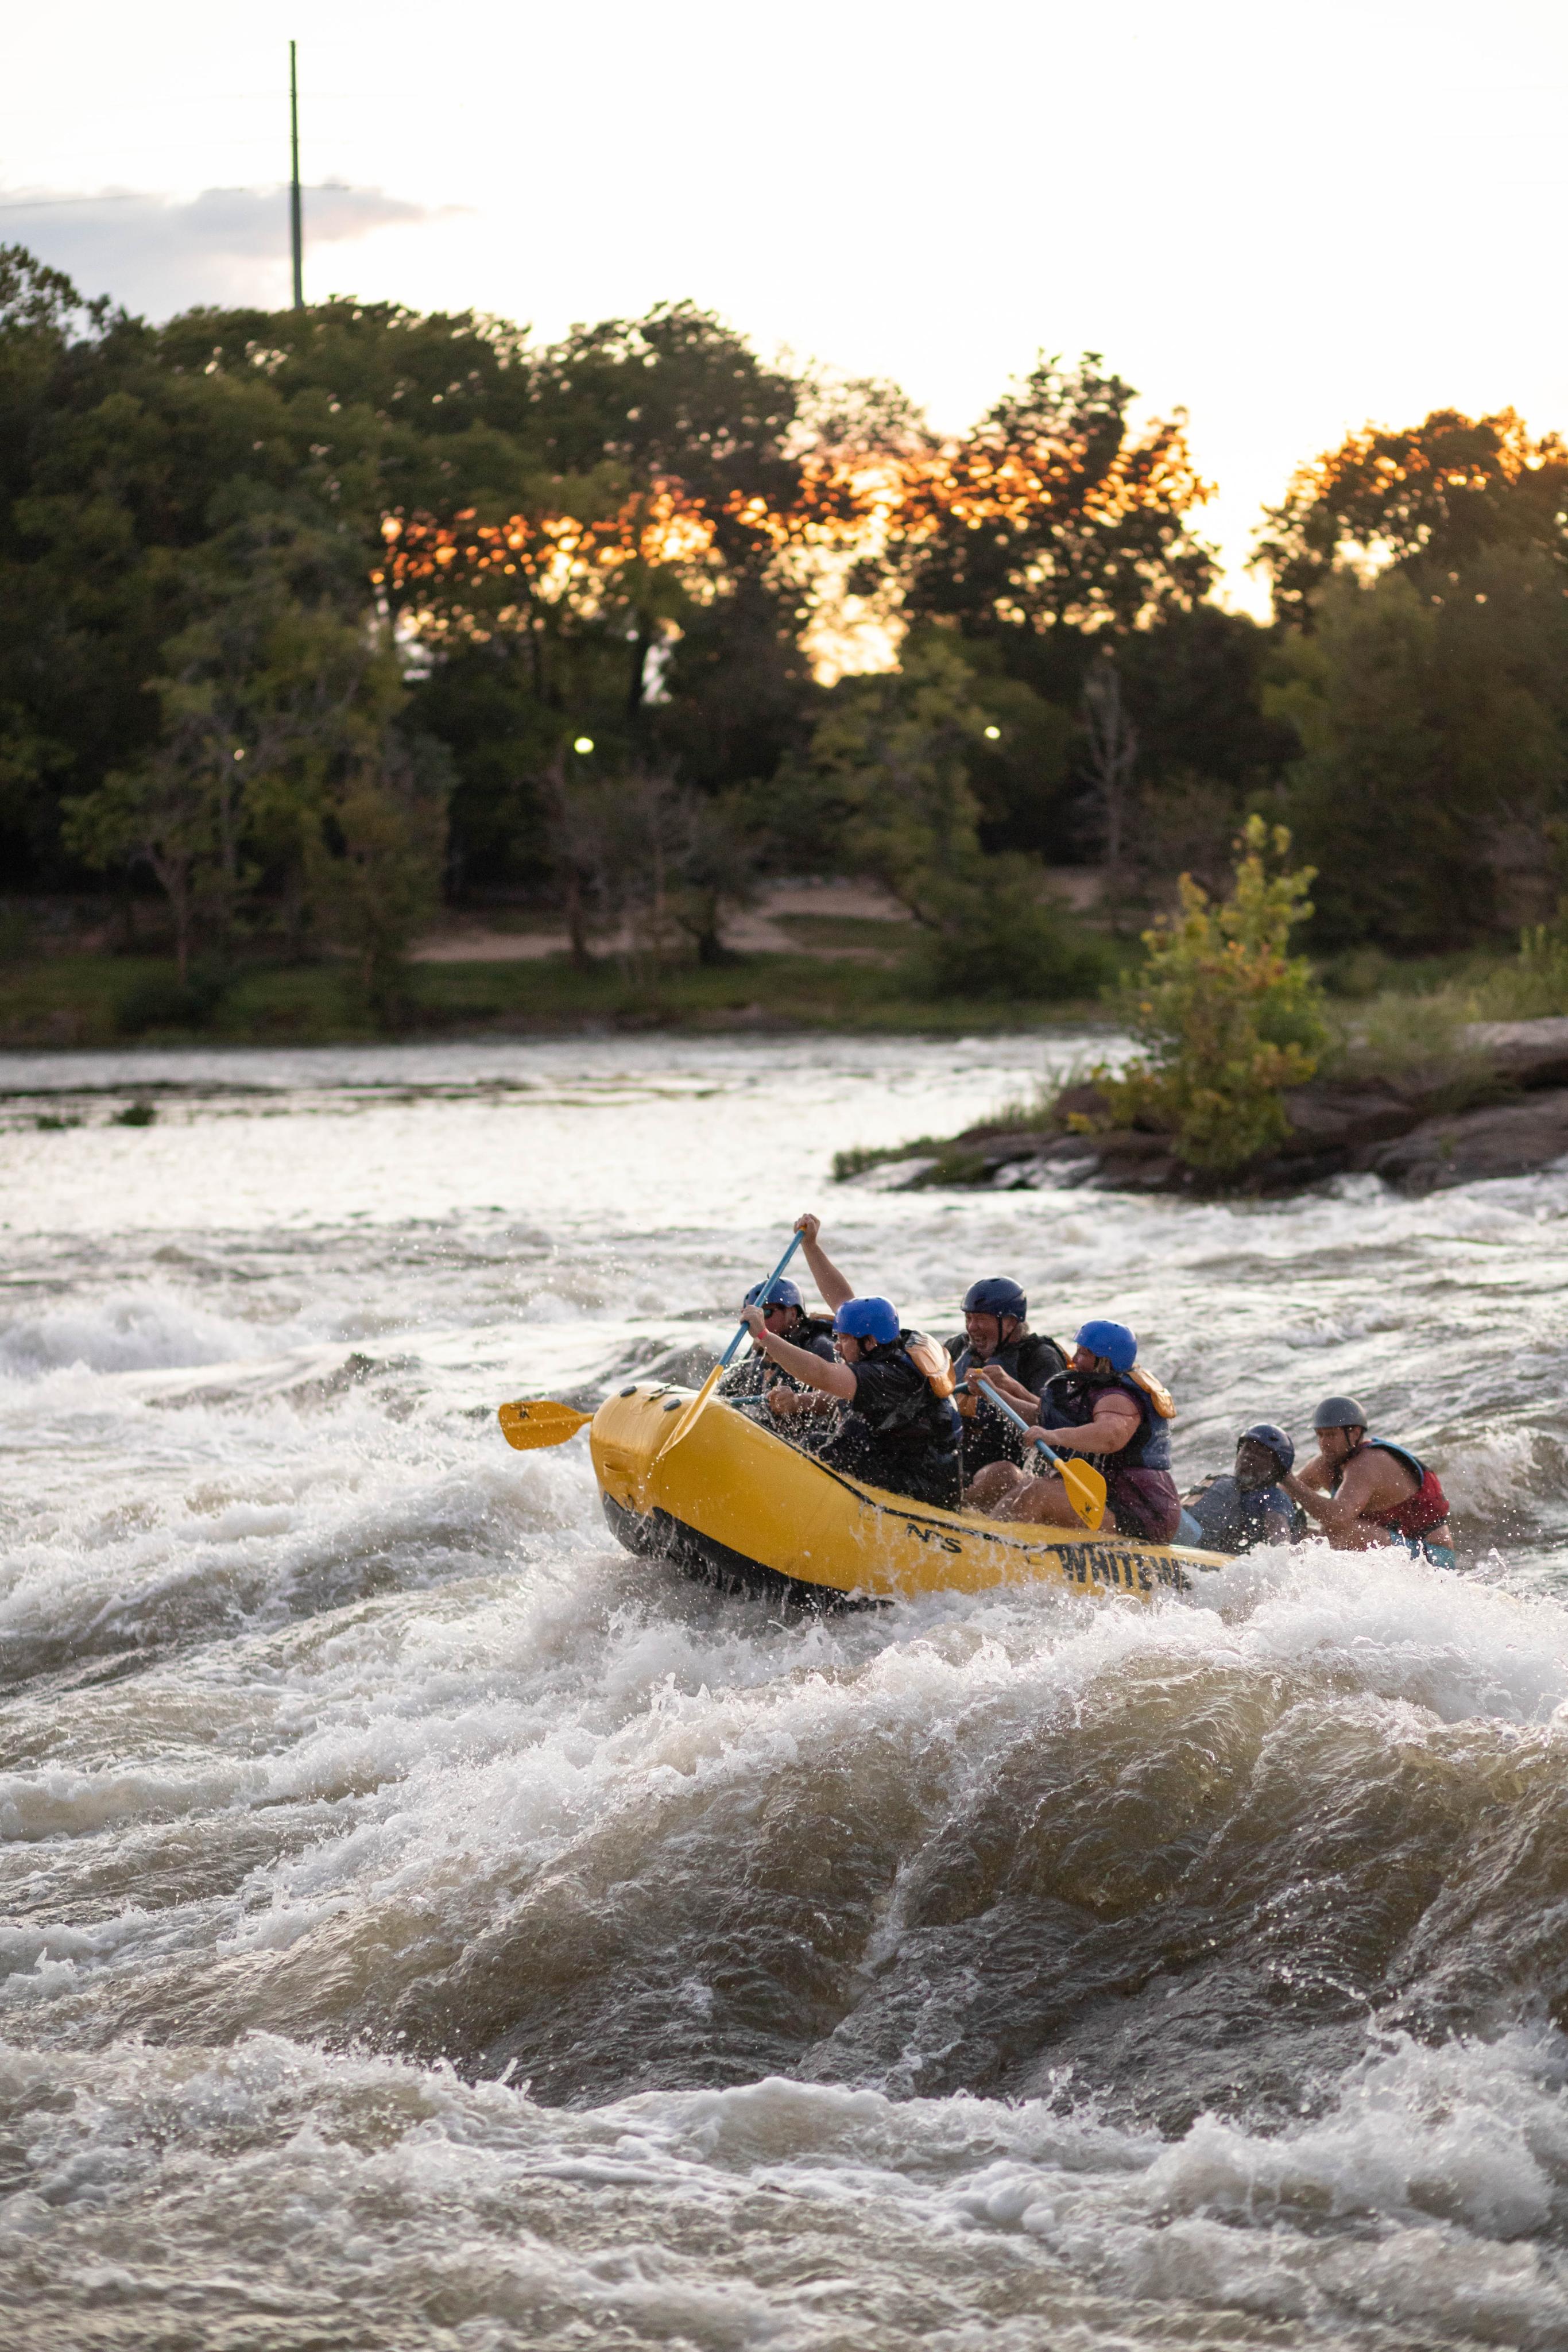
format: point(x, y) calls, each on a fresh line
point(830, 1282)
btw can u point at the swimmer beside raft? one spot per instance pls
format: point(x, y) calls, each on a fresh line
point(1018, 1432)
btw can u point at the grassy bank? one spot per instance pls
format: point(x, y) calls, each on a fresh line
point(95, 1000)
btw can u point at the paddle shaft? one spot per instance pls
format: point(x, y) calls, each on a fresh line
point(687, 1420)
point(1013, 1414)
point(742, 1329)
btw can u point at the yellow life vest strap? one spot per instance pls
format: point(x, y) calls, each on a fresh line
point(1159, 1396)
point(930, 1357)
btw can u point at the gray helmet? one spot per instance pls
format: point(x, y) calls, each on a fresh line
point(1340, 1413)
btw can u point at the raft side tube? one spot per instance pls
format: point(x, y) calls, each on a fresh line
point(741, 1497)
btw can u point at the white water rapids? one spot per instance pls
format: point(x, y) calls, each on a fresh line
point(426, 1927)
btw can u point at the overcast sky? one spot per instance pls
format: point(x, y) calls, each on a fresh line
point(1288, 219)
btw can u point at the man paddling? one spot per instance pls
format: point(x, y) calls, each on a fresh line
point(900, 1430)
point(997, 1333)
point(1366, 1492)
point(784, 1314)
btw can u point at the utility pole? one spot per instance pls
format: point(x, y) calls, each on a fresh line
point(295, 220)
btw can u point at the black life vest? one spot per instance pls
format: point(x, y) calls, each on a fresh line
point(1028, 1358)
point(755, 1373)
point(1069, 1401)
point(910, 1444)
point(1032, 1359)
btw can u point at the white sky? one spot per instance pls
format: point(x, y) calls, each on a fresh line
point(1289, 219)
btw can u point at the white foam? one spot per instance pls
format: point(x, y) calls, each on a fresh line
point(150, 1327)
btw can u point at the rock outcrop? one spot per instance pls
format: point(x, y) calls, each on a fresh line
point(1510, 1088)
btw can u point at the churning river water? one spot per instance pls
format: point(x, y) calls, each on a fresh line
point(426, 1927)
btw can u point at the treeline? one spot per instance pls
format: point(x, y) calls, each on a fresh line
point(314, 617)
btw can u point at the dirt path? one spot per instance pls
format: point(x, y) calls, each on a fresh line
point(751, 930)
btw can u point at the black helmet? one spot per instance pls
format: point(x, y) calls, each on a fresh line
point(1340, 1413)
point(1269, 1434)
point(996, 1295)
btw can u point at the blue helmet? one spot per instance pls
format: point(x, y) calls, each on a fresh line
point(1113, 1341)
point(867, 1319)
point(996, 1295)
point(1269, 1433)
point(781, 1292)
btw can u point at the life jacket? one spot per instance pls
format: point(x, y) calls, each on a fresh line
point(1427, 1509)
point(911, 1444)
point(755, 1373)
point(931, 1357)
point(1234, 1517)
point(1028, 1357)
point(927, 1410)
point(1069, 1401)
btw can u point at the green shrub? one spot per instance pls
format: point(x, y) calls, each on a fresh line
point(1225, 1017)
point(165, 1001)
point(993, 939)
point(142, 1114)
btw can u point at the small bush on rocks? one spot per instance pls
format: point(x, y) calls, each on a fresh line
point(1225, 1017)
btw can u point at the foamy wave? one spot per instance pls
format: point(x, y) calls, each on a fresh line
point(150, 1328)
point(788, 2214)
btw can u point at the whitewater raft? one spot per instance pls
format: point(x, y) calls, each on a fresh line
point(737, 1506)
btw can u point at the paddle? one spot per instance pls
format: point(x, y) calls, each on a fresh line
point(1086, 1487)
point(687, 1421)
point(540, 1422)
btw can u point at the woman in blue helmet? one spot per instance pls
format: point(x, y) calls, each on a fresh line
point(1112, 1413)
point(899, 1429)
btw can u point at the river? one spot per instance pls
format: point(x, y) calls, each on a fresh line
point(426, 1927)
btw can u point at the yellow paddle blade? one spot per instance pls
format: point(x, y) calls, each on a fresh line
point(538, 1422)
point(1085, 1492)
point(687, 1421)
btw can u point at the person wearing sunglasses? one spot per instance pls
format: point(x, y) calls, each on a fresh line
point(784, 1315)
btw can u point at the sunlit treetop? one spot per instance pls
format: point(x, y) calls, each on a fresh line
point(1054, 510)
point(1428, 496)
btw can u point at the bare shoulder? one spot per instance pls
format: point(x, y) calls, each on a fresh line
point(1376, 1478)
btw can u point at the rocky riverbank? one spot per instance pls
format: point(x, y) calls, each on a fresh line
point(1502, 1110)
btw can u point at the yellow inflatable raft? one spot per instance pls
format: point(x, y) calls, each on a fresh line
point(735, 1505)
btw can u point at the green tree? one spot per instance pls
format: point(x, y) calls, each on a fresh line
point(280, 752)
point(374, 866)
point(1436, 734)
point(1224, 1015)
point(1430, 497)
point(890, 768)
point(1055, 517)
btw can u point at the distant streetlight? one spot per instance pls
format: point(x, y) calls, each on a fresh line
point(583, 743)
point(993, 734)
